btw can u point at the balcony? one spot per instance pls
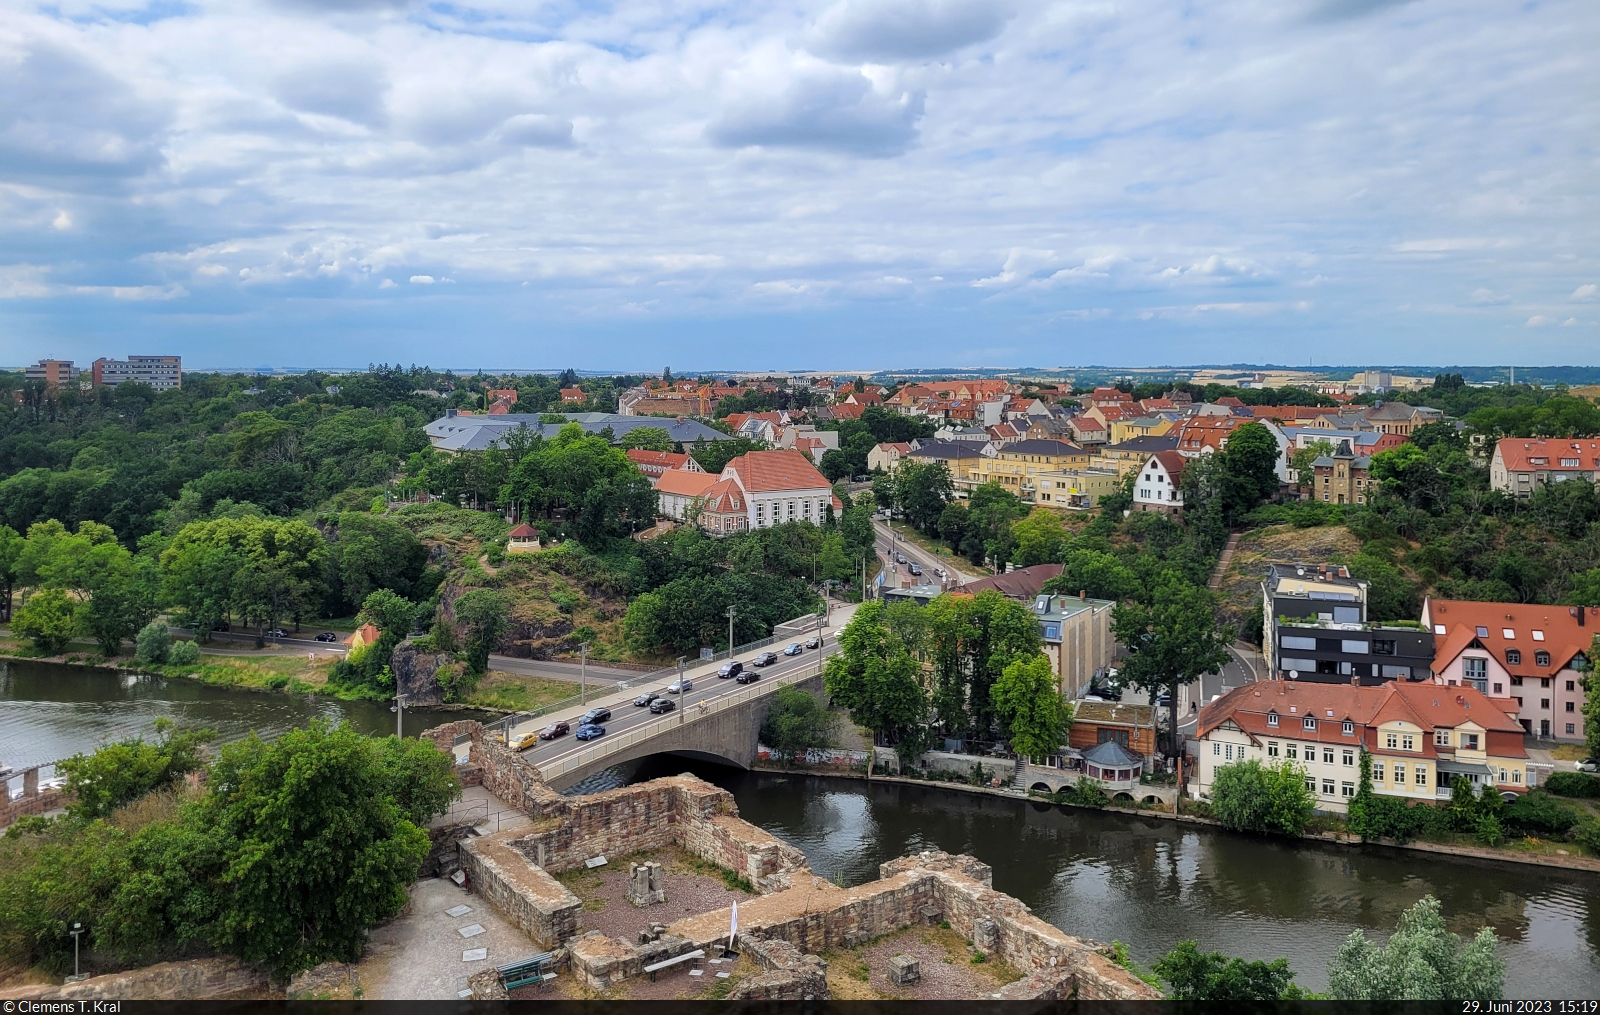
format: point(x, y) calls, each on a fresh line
point(1412, 626)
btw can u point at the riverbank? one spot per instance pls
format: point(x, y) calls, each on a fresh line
point(1570, 862)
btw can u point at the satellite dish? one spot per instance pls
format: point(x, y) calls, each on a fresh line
point(1294, 674)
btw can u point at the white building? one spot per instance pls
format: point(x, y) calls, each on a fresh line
point(1156, 487)
point(163, 373)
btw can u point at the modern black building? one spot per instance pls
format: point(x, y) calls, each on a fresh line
point(1316, 628)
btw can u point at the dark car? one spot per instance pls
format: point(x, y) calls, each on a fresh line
point(792, 649)
point(327, 636)
point(748, 677)
point(661, 705)
point(764, 659)
point(732, 669)
point(644, 699)
point(222, 626)
point(589, 731)
point(815, 641)
point(555, 729)
point(914, 568)
point(594, 715)
point(277, 632)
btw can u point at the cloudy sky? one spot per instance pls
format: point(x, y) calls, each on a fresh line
point(829, 183)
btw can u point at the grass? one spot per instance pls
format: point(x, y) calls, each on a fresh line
point(681, 860)
point(519, 692)
point(849, 975)
point(1569, 752)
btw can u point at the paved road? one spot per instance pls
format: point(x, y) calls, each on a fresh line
point(890, 543)
point(625, 715)
point(1243, 667)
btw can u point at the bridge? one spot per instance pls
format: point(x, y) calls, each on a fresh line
point(718, 720)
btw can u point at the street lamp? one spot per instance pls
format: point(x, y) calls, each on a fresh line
point(583, 673)
point(399, 710)
point(730, 632)
point(77, 928)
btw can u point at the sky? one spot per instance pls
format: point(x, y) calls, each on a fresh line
point(800, 184)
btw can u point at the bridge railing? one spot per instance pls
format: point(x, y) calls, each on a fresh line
point(686, 716)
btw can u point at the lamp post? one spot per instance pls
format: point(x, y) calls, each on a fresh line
point(399, 710)
point(730, 632)
point(683, 695)
point(77, 928)
point(583, 673)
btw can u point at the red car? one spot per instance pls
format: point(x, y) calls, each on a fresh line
point(555, 729)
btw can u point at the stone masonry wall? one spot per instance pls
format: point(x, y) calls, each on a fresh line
point(193, 980)
point(531, 899)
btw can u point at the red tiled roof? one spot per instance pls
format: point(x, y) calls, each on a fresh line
point(573, 395)
point(656, 461)
point(847, 410)
point(771, 471)
point(1519, 454)
point(724, 496)
point(524, 531)
point(685, 483)
point(1563, 637)
point(1171, 461)
point(904, 449)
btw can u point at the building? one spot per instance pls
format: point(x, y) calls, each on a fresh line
point(461, 431)
point(679, 490)
point(1156, 488)
point(781, 486)
point(1316, 631)
point(1534, 655)
point(1342, 477)
point(1022, 584)
point(1400, 418)
point(163, 373)
point(1016, 465)
point(1077, 638)
point(523, 539)
point(1420, 736)
point(572, 395)
point(1520, 464)
point(962, 458)
point(55, 372)
point(1075, 489)
point(654, 463)
point(1138, 426)
point(886, 457)
point(1087, 431)
point(1132, 727)
point(724, 509)
point(1130, 456)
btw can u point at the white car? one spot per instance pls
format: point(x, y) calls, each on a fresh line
point(1589, 765)
point(679, 686)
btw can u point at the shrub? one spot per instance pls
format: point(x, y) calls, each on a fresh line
point(47, 619)
point(1573, 784)
point(153, 644)
point(1084, 794)
point(1253, 797)
point(184, 653)
point(1538, 813)
point(1587, 835)
point(1489, 831)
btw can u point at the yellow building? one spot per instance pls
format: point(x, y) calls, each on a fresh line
point(1019, 463)
point(1130, 456)
point(1142, 426)
point(1074, 489)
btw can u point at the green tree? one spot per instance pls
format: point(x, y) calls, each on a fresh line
point(1212, 976)
point(1040, 537)
point(369, 553)
point(1422, 961)
point(48, 619)
point(714, 455)
point(1253, 797)
point(117, 773)
point(1302, 461)
point(796, 722)
point(1094, 573)
point(1173, 641)
point(648, 438)
point(487, 616)
point(991, 510)
point(1249, 464)
point(153, 644)
point(874, 677)
point(1030, 707)
point(921, 491)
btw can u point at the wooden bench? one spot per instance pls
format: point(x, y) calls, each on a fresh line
point(656, 967)
point(533, 969)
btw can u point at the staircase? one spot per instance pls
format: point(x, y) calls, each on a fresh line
point(1222, 563)
point(1019, 781)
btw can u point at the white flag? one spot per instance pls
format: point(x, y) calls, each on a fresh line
point(734, 927)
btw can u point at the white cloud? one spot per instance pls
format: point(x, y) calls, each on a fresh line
point(1537, 321)
point(422, 280)
point(387, 283)
point(1585, 292)
point(63, 220)
point(888, 30)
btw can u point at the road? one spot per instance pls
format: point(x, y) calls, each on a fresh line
point(1243, 667)
point(626, 716)
point(890, 543)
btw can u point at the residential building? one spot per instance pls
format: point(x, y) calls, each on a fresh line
point(523, 539)
point(1157, 486)
point(962, 458)
point(1400, 418)
point(1420, 737)
point(571, 395)
point(1521, 464)
point(886, 457)
point(1130, 456)
point(1087, 431)
point(1138, 426)
point(1204, 435)
point(1316, 630)
point(55, 372)
point(1022, 584)
point(163, 373)
point(464, 431)
point(1075, 489)
point(1015, 465)
point(1534, 655)
point(1077, 637)
point(1342, 477)
point(775, 487)
point(680, 491)
point(1365, 442)
point(1132, 727)
point(655, 463)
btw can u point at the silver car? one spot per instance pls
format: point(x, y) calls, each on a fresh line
point(679, 686)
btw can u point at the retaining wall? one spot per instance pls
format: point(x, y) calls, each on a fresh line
point(193, 980)
point(535, 902)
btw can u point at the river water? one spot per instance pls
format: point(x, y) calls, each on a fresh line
point(1146, 882)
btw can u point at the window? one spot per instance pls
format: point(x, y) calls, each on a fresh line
point(1291, 751)
point(1216, 749)
point(1227, 752)
point(1570, 686)
point(1440, 629)
point(1541, 659)
point(1396, 672)
point(1327, 787)
point(1399, 774)
point(1391, 741)
point(1516, 681)
point(1422, 775)
point(1483, 632)
point(1348, 729)
point(1570, 708)
point(1544, 681)
point(1349, 758)
point(1499, 688)
point(1407, 742)
point(1308, 723)
point(1272, 748)
point(1311, 785)
point(1327, 755)
point(1272, 718)
point(1383, 646)
point(1516, 774)
point(1441, 738)
point(1474, 668)
point(1292, 641)
point(1347, 789)
point(1508, 633)
point(1469, 741)
point(1353, 646)
point(1538, 636)
point(1514, 656)
point(1377, 771)
point(1544, 702)
point(1570, 728)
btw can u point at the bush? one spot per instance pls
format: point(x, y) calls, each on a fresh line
point(1489, 831)
point(184, 653)
point(1084, 794)
point(796, 722)
point(1587, 835)
point(1253, 797)
point(1573, 784)
point(153, 644)
point(47, 619)
point(1538, 813)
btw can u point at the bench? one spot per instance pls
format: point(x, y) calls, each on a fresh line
point(656, 967)
point(533, 969)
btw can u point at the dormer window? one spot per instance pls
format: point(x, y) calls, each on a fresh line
point(1272, 718)
point(1541, 659)
point(1348, 729)
point(1483, 632)
point(1513, 656)
point(1309, 723)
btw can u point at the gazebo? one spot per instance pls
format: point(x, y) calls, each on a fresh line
point(1112, 765)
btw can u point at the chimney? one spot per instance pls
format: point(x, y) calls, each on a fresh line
point(449, 414)
point(1082, 595)
point(1355, 680)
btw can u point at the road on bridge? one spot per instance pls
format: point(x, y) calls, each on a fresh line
point(626, 716)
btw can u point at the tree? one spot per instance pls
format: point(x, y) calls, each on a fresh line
point(48, 618)
point(393, 617)
point(874, 677)
point(713, 456)
point(1039, 537)
point(1253, 797)
point(1030, 707)
point(1096, 574)
point(1250, 462)
point(1173, 641)
point(797, 722)
point(1422, 961)
point(154, 644)
point(370, 553)
point(487, 615)
point(991, 510)
point(117, 773)
point(922, 492)
point(648, 438)
point(1212, 976)
point(1301, 461)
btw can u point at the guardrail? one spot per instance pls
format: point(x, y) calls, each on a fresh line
point(686, 715)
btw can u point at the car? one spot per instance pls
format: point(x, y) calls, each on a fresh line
point(526, 741)
point(899, 558)
point(277, 632)
point(222, 626)
point(939, 572)
point(645, 699)
point(1092, 697)
point(793, 649)
point(662, 705)
point(764, 659)
point(748, 677)
point(326, 636)
point(555, 729)
point(679, 686)
point(914, 568)
point(594, 716)
point(730, 669)
point(1589, 765)
point(815, 641)
point(1163, 700)
point(589, 731)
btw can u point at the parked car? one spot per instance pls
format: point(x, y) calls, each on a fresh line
point(526, 741)
point(589, 731)
point(277, 632)
point(645, 699)
point(730, 669)
point(939, 572)
point(594, 716)
point(764, 659)
point(327, 636)
point(1163, 700)
point(662, 705)
point(222, 626)
point(555, 729)
point(792, 649)
point(815, 641)
point(679, 686)
point(1589, 765)
point(748, 677)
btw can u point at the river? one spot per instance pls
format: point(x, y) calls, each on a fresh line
point(1144, 881)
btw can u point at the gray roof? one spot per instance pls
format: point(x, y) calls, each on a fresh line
point(474, 433)
point(947, 449)
point(1041, 446)
point(1146, 445)
point(1112, 755)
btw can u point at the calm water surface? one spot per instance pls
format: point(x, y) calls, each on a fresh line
point(1151, 883)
